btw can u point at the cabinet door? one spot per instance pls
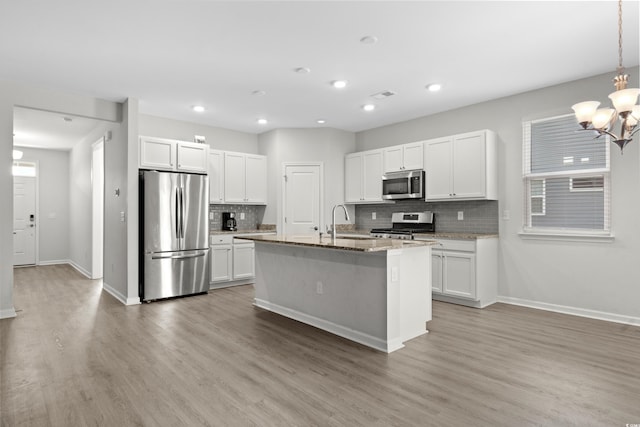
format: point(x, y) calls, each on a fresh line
point(220, 263)
point(413, 156)
point(243, 261)
point(192, 157)
point(372, 162)
point(437, 162)
point(216, 176)
point(157, 153)
point(459, 274)
point(234, 177)
point(469, 166)
point(393, 159)
point(436, 271)
point(255, 179)
point(353, 177)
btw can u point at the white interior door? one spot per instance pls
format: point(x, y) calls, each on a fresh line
point(24, 220)
point(97, 175)
point(302, 203)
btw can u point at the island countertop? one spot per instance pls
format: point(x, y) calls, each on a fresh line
point(342, 243)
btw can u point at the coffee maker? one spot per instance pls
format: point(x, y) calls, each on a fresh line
point(229, 221)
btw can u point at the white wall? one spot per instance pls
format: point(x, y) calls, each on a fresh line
point(299, 145)
point(218, 138)
point(599, 279)
point(53, 203)
point(18, 94)
point(80, 199)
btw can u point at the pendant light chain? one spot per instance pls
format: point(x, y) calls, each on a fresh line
point(620, 67)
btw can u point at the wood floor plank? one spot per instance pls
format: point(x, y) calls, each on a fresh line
point(76, 356)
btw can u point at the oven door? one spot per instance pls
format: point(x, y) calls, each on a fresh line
point(403, 185)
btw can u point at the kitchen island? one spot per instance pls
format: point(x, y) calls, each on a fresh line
point(376, 292)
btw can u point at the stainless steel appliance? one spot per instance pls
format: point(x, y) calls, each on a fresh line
point(229, 221)
point(405, 225)
point(174, 234)
point(403, 185)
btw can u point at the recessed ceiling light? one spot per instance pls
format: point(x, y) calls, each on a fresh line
point(369, 40)
point(321, 121)
point(302, 70)
point(339, 84)
point(368, 107)
point(198, 108)
point(262, 121)
point(434, 87)
point(258, 93)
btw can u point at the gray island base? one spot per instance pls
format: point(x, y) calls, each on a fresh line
point(376, 292)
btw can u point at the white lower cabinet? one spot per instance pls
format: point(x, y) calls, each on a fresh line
point(232, 261)
point(465, 271)
point(244, 260)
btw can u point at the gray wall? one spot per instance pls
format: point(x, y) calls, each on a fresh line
point(583, 277)
point(324, 145)
point(53, 203)
point(218, 138)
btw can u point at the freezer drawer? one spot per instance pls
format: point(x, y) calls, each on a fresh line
point(170, 274)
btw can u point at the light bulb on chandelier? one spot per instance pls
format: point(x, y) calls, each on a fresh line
point(624, 101)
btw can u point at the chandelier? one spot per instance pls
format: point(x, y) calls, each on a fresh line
point(602, 120)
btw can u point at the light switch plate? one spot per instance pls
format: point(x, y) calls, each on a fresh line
point(460, 215)
point(373, 215)
point(241, 215)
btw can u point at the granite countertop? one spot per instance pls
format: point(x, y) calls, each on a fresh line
point(233, 233)
point(436, 235)
point(360, 245)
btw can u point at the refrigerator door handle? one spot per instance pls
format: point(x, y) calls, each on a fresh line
point(177, 214)
point(182, 213)
point(169, 256)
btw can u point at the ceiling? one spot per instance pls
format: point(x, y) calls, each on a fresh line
point(174, 54)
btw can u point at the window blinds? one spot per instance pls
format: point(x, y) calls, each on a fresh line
point(565, 177)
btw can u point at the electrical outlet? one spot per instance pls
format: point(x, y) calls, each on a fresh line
point(373, 215)
point(506, 214)
point(394, 274)
point(319, 288)
point(211, 215)
point(460, 215)
point(241, 215)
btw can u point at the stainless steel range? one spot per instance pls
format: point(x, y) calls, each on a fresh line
point(406, 224)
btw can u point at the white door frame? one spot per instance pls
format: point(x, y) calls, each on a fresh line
point(283, 210)
point(97, 209)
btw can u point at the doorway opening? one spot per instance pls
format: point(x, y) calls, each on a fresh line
point(97, 196)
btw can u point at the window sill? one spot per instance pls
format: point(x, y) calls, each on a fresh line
point(590, 238)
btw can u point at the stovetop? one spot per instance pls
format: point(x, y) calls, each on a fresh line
point(405, 225)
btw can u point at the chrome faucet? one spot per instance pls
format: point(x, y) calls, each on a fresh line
point(334, 233)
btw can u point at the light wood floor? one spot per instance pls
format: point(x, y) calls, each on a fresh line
point(76, 356)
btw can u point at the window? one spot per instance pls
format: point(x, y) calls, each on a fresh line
point(23, 169)
point(565, 177)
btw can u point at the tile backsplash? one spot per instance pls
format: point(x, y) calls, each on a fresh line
point(252, 216)
point(480, 216)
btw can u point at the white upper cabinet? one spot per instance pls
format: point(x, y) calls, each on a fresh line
point(462, 167)
point(363, 176)
point(404, 157)
point(245, 178)
point(171, 155)
point(216, 176)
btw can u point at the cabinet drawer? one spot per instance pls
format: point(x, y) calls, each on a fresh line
point(221, 239)
point(457, 245)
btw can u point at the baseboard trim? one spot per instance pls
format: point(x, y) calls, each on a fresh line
point(119, 296)
point(81, 270)
point(592, 314)
point(342, 331)
point(54, 262)
point(7, 313)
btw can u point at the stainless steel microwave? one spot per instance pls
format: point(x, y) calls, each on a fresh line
point(403, 185)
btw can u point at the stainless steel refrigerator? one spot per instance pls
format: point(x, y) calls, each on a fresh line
point(174, 234)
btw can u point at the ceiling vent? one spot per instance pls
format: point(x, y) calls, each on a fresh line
point(384, 94)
